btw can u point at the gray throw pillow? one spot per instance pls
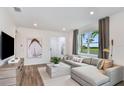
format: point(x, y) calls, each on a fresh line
point(100, 64)
point(95, 61)
point(86, 60)
point(65, 58)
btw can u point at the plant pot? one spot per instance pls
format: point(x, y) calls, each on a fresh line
point(56, 65)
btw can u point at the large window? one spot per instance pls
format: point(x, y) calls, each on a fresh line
point(89, 42)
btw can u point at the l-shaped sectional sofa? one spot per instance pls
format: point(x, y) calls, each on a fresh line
point(94, 71)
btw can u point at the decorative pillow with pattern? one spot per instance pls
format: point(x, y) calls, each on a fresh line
point(70, 57)
point(86, 60)
point(100, 65)
point(95, 61)
point(107, 63)
point(75, 59)
point(79, 60)
point(65, 58)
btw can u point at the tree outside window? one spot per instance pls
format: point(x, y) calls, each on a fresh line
point(89, 42)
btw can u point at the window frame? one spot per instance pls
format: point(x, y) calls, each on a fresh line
point(80, 43)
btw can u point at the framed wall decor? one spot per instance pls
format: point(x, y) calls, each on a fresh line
point(34, 48)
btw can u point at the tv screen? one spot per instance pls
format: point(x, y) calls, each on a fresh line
point(7, 45)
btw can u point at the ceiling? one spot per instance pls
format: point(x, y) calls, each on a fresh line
point(57, 18)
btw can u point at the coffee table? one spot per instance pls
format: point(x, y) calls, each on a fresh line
point(60, 70)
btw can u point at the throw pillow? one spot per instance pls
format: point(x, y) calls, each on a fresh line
point(70, 57)
point(76, 59)
point(107, 63)
point(100, 64)
point(95, 61)
point(86, 60)
point(81, 60)
point(65, 58)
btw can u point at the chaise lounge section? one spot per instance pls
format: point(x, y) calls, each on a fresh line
point(89, 75)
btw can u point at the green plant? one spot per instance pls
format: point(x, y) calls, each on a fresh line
point(55, 60)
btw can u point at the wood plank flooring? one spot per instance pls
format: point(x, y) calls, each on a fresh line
point(31, 77)
point(120, 83)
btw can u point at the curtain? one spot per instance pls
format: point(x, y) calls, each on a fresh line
point(103, 37)
point(75, 42)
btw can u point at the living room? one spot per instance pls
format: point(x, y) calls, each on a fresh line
point(44, 32)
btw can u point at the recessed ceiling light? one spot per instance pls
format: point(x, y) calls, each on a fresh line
point(35, 25)
point(63, 29)
point(91, 12)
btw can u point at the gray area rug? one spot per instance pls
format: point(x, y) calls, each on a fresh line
point(57, 81)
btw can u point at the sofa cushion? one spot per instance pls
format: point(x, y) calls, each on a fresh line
point(75, 63)
point(86, 60)
point(91, 75)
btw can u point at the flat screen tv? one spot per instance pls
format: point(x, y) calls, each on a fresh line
point(7, 45)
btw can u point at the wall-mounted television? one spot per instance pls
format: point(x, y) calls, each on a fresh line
point(7, 45)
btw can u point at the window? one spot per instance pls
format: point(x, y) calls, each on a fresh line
point(89, 42)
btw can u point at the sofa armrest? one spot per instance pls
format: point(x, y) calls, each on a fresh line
point(115, 74)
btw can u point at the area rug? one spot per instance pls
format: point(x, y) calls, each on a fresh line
point(57, 81)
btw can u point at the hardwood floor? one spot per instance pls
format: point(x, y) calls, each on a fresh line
point(31, 77)
point(120, 83)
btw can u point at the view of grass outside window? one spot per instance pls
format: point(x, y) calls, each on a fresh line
point(89, 42)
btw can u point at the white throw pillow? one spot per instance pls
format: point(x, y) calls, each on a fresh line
point(76, 59)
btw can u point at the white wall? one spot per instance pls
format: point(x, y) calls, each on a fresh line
point(117, 34)
point(24, 34)
point(90, 27)
point(6, 25)
point(69, 43)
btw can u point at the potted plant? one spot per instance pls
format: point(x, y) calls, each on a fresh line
point(55, 60)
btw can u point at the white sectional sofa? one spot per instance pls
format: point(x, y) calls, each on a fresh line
point(89, 71)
